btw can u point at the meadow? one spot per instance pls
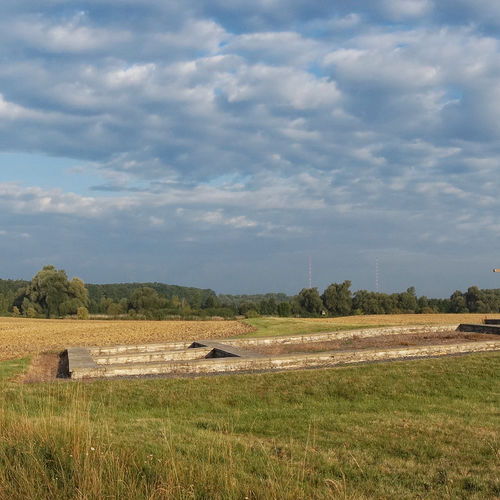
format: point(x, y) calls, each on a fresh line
point(415, 429)
point(270, 326)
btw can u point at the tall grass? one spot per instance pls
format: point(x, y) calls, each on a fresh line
point(422, 429)
point(46, 453)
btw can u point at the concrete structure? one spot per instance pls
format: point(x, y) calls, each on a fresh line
point(491, 326)
point(235, 355)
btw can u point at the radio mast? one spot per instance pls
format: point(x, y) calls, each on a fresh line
point(310, 272)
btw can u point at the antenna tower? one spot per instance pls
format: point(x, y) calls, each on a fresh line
point(376, 275)
point(310, 272)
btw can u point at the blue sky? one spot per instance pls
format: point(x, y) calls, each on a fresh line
point(219, 144)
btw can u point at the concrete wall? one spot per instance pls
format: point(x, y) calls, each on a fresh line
point(493, 329)
point(282, 362)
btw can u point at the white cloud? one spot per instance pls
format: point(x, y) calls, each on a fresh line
point(134, 76)
point(195, 34)
point(279, 47)
point(12, 111)
point(70, 36)
point(156, 221)
point(402, 9)
point(219, 218)
point(35, 200)
point(321, 122)
point(346, 22)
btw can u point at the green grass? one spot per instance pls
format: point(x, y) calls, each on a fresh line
point(418, 429)
point(272, 326)
point(13, 367)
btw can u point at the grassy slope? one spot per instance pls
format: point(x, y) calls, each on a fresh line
point(271, 326)
point(420, 429)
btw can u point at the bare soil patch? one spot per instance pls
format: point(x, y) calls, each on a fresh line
point(43, 367)
point(380, 341)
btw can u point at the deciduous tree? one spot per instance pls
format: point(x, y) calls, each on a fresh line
point(337, 299)
point(54, 295)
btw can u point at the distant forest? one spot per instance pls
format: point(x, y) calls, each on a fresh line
point(51, 294)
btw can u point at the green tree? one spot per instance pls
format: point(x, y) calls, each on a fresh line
point(457, 303)
point(210, 302)
point(82, 313)
point(308, 302)
point(52, 293)
point(147, 299)
point(284, 309)
point(476, 300)
point(124, 305)
point(408, 302)
point(31, 312)
point(114, 309)
point(366, 302)
point(104, 304)
point(26, 305)
point(268, 307)
point(337, 299)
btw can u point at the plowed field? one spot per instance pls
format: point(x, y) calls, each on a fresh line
point(21, 337)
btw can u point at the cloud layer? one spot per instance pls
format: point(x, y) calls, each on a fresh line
point(220, 146)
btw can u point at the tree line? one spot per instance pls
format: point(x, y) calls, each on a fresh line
point(51, 294)
point(338, 300)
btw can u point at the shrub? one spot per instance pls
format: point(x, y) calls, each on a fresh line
point(82, 313)
point(31, 312)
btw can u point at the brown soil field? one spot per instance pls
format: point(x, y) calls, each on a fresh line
point(20, 337)
point(379, 341)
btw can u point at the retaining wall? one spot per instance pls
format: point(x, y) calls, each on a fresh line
point(493, 329)
point(298, 361)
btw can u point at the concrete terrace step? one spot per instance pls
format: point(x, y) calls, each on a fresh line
point(133, 348)
point(295, 361)
point(468, 327)
point(492, 321)
point(234, 355)
point(222, 350)
point(145, 357)
point(83, 366)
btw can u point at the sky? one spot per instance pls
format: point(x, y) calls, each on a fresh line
point(221, 144)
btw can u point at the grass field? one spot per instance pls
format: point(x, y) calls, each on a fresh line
point(417, 429)
point(293, 326)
